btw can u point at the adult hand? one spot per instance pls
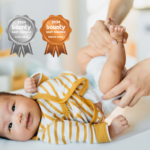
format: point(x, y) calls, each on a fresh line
point(100, 39)
point(136, 84)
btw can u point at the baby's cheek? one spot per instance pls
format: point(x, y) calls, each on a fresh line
point(25, 135)
point(21, 134)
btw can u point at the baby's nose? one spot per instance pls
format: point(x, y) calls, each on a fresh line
point(19, 118)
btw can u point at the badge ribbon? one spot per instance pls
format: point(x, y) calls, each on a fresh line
point(55, 31)
point(21, 30)
point(1, 30)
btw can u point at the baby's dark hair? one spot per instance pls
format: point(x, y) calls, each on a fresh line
point(7, 93)
point(10, 94)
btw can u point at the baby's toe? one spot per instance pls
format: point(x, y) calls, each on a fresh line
point(122, 30)
point(124, 122)
point(119, 28)
point(121, 119)
point(126, 126)
point(116, 28)
point(111, 28)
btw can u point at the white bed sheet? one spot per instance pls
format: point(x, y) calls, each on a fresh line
point(137, 137)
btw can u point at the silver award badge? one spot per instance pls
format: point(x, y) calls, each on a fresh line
point(21, 30)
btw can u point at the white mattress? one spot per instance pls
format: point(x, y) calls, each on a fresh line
point(137, 137)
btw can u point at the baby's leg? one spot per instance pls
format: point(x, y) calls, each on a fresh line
point(111, 73)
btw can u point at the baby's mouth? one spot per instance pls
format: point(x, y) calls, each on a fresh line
point(29, 120)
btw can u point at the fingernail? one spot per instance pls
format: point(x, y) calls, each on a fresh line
point(114, 42)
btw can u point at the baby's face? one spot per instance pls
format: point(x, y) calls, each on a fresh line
point(14, 114)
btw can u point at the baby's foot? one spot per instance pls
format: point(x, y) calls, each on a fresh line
point(118, 125)
point(117, 32)
point(110, 21)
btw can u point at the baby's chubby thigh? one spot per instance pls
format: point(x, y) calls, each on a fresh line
point(94, 68)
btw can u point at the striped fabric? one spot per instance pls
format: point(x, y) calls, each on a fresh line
point(67, 116)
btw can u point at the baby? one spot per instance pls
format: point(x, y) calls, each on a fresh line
point(66, 109)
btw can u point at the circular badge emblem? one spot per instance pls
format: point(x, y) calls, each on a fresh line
point(21, 30)
point(55, 31)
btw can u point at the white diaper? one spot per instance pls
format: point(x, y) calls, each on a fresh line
point(94, 68)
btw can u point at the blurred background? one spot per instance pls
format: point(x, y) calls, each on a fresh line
point(82, 15)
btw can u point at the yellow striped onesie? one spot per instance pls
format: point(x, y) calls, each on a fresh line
point(68, 113)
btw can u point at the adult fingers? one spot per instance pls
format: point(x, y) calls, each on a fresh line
point(96, 41)
point(116, 90)
point(100, 39)
point(127, 98)
point(93, 45)
point(93, 42)
point(135, 99)
point(101, 27)
point(125, 37)
point(124, 101)
point(107, 37)
point(90, 41)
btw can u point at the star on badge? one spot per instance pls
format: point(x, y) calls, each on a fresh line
point(1, 30)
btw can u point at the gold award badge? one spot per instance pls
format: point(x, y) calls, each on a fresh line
point(1, 30)
point(55, 31)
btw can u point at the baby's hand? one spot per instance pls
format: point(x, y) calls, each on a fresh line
point(118, 125)
point(30, 85)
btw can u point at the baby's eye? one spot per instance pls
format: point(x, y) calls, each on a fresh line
point(10, 126)
point(13, 108)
